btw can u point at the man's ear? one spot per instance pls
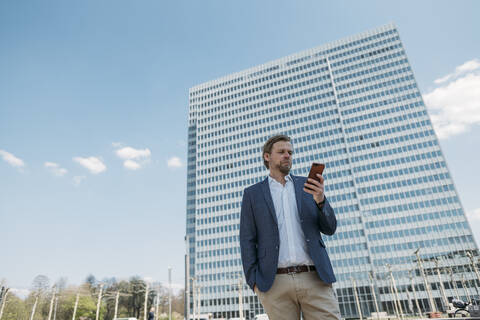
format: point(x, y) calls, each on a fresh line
point(266, 156)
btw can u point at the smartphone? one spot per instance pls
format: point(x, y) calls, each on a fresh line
point(316, 168)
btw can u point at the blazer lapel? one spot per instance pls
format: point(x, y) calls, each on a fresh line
point(268, 199)
point(298, 192)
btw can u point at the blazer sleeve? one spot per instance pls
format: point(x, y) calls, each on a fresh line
point(327, 221)
point(248, 240)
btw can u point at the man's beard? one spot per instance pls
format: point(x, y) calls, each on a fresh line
point(285, 169)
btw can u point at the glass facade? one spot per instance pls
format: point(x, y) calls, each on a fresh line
point(354, 105)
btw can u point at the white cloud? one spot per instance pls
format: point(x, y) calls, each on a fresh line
point(134, 158)
point(468, 66)
point(131, 153)
point(454, 106)
point(474, 215)
point(174, 162)
point(93, 164)
point(77, 180)
point(55, 169)
point(131, 165)
point(11, 159)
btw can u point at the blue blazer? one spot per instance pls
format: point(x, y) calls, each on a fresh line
point(259, 237)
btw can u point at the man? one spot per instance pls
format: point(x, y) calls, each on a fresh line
point(151, 314)
point(283, 254)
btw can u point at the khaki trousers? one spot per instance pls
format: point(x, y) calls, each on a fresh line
point(299, 293)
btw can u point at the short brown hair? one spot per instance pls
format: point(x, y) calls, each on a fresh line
point(267, 147)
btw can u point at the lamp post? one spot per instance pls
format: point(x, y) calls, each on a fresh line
point(117, 296)
point(76, 306)
point(187, 277)
point(146, 301)
point(427, 286)
point(467, 295)
point(442, 288)
point(51, 302)
point(34, 306)
point(415, 295)
point(157, 302)
point(169, 293)
point(370, 275)
point(99, 301)
point(194, 280)
point(4, 300)
point(55, 309)
point(240, 297)
point(454, 283)
point(474, 267)
point(356, 298)
point(397, 298)
point(397, 312)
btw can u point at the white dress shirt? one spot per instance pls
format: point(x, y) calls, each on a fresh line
point(293, 248)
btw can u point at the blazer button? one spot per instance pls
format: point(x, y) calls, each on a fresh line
point(308, 240)
point(276, 247)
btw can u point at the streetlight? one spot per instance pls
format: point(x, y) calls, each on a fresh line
point(442, 288)
point(194, 280)
point(454, 283)
point(427, 286)
point(415, 294)
point(474, 266)
point(467, 295)
point(99, 301)
point(3, 300)
point(187, 277)
point(169, 293)
point(51, 302)
point(34, 306)
point(395, 306)
point(370, 275)
point(240, 296)
point(356, 298)
point(395, 292)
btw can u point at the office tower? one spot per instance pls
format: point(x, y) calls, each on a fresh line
point(354, 105)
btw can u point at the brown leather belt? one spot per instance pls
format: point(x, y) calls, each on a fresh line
point(295, 269)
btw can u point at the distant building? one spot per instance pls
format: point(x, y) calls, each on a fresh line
point(354, 105)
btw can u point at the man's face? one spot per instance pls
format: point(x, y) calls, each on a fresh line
point(281, 157)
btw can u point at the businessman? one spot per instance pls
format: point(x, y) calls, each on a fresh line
point(283, 254)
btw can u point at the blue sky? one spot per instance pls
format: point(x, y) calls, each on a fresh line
point(93, 114)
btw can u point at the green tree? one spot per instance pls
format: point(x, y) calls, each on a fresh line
point(15, 308)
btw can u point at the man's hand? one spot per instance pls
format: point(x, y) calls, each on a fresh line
point(315, 188)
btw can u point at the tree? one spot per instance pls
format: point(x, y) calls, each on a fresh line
point(91, 281)
point(137, 291)
point(15, 308)
point(40, 284)
point(40, 292)
point(87, 307)
point(178, 302)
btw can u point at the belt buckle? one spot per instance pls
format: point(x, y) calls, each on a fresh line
point(293, 269)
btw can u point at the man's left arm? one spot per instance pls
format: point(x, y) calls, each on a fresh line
point(326, 217)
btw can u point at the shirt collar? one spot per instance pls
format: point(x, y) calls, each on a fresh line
point(288, 178)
